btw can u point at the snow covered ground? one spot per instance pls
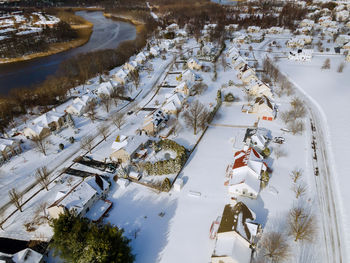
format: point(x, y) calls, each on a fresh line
point(330, 93)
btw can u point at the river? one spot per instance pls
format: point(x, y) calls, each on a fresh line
point(106, 34)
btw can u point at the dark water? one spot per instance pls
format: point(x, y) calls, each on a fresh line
point(106, 34)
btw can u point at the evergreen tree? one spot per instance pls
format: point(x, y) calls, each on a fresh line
point(77, 239)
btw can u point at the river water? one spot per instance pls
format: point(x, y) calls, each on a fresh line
point(106, 34)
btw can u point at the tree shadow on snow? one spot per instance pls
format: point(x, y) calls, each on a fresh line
point(145, 217)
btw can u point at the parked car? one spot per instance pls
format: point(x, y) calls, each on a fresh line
point(279, 140)
point(130, 112)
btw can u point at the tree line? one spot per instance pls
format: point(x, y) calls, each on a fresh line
point(71, 73)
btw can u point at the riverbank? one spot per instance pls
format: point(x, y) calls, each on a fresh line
point(84, 31)
point(138, 23)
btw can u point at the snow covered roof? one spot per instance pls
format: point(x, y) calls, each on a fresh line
point(105, 88)
point(48, 117)
point(98, 183)
point(233, 247)
point(131, 143)
point(27, 256)
point(4, 143)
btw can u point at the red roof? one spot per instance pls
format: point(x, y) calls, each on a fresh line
point(243, 159)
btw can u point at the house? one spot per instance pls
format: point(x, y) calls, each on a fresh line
point(79, 105)
point(26, 255)
point(44, 124)
point(300, 55)
point(154, 122)
point(154, 51)
point(125, 148)
point(122, 76)
point(304, 30)
point(183, 88)
point(172, 28)
point(259, 88)
point(167, 44)
point(8, 148)
point(173, 103)
point(240, 39)
point(209, 49)
point(256, 37)
point(307, 23)
point(189, 75)
point(247, 74)
point(259, 138)
point(232, 54)
point(80, 198)
point(295, 43)
point(130, 66)
point(194, 64)
point(264, 108)
point(275, 30)
point(245, 173)
point(325, 21)
point(253, 29)
point(105, 88)
point(141, 58)
point(342, 39)
point(342, 16)
point(347, 46)
point(236, 235)
point(239, 64)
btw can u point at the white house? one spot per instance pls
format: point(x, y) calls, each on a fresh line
point(131, 66)
point(155, 51)
point(105, 88)
point(42, 125)
point(275, 30)
point(125, 147)
point(307, 22)
point(259, 88)
point(245, 173)
point(183, 88)
point(78, 107)
point(265, 108)
point(141, 58)
point(189, 75)
point(253, 29)
point(173, 103)
point(259, 138)
point(80, 198)
point(236, 234)
point(300, 55)
point(122, 76)
point(194, 64)
point(325, 21)
point(8, 148)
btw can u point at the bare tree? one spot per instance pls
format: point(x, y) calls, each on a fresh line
point(115, 96)
point(224, 62)
point(135, 77)
point(296, 174)
point(91, 111)
point(42, 175)
point(274, 247)
point(326, 64)
point(199, 88)
point(299, 107)
point(196, 116)
point(106, 102)
point(341, 67)
point(16, 198)
point(302, 225)
point(279, 152)
point(103, 131)
point(296, 126)
point(299, 189)
point(118, 120)
point(86, 143)
point(41, 143)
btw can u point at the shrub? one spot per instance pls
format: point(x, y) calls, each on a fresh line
point(61, 146)
point(166, 185)
point(266, 152)
point(71, 139)
point(229, 97)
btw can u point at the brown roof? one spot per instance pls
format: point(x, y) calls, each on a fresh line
point(228, 222)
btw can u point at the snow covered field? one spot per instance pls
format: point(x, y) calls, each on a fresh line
point(330, 93)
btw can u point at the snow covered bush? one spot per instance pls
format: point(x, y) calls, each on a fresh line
point(170, 166)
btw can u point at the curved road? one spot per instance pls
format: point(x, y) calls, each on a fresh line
point(106, 34)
